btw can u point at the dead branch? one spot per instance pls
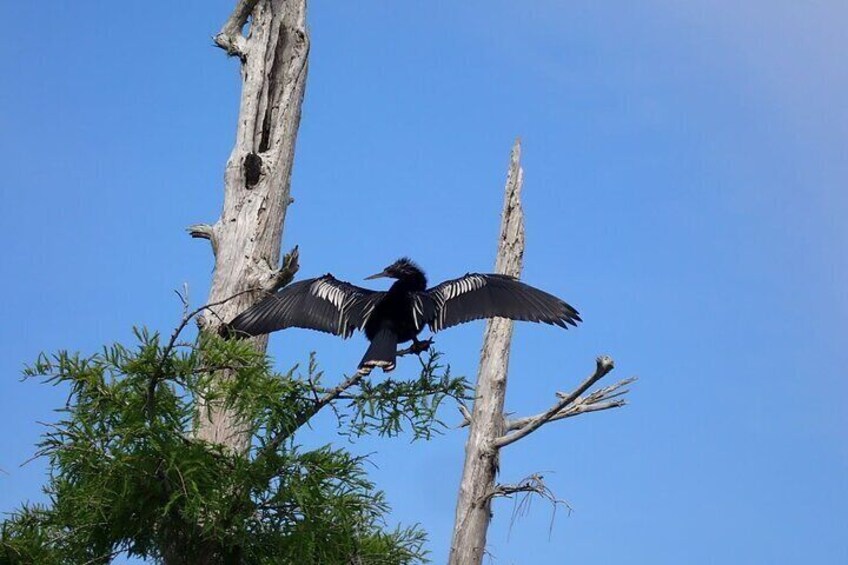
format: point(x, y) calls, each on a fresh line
point(201, 231)
point(602, 399)
point(230, 38)
point(204, 231)
point(534, 485)
point(466, 415)
point(603, 366)
point(277, 278)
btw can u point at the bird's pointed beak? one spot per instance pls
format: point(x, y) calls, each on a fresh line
point(380, 275)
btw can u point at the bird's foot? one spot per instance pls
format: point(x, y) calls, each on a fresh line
point(418, 347)
point(422, 346)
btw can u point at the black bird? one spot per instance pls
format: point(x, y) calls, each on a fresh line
point(399, 314)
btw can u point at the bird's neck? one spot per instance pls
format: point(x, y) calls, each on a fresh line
point(410, 283)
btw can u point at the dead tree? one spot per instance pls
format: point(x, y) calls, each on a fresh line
point(489, 430)
point(246, 240)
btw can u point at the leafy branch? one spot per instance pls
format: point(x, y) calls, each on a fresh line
point(127, 475)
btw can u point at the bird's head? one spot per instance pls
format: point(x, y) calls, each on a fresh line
point(403, 268)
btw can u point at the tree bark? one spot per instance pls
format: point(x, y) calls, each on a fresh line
point(246, 239)
point(473, 510)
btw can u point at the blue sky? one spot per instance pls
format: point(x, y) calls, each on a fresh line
point(685, 172)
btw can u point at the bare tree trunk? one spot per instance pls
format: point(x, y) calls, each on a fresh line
point(489, 430)
point(246, 239)
point(473, 509)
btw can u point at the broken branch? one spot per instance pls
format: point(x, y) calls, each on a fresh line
point(276, 279)
point(230, 38)
point(204, 231)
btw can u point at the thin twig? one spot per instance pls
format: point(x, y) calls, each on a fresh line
point(283, 276)
point(158, 373)
point(106, 557)
point(532, 485)
point(183, 296)
point(312, 386)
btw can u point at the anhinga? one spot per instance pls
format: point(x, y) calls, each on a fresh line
point(399, 314)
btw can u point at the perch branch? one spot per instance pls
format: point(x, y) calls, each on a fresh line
point(316, 407)
point(603, 365)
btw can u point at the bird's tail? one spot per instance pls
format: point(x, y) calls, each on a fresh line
point(382, 352)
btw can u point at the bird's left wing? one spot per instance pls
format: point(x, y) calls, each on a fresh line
point(325, 304)
point(477, 296)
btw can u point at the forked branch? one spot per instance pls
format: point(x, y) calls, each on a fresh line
point(526, 426)
point(601, 399)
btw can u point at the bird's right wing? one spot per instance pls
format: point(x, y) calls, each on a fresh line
point(477, 296)
point(324, 304)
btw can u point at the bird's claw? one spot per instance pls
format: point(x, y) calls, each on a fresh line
point(421, 346)
point(417, 347)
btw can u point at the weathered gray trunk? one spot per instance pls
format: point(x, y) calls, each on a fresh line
point(473, 509)
point(246, 239)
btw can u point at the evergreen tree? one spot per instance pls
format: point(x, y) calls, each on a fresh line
point(128, 475)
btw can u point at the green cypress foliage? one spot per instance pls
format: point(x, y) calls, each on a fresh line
point(128, 477)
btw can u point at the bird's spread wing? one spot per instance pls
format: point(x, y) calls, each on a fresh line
point(324, 304)
point(477, 296)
